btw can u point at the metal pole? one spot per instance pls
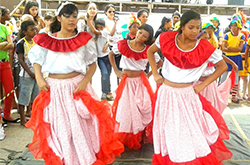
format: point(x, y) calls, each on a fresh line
point(40, 7)
point(151, 5)
point(208, 10)
point(17, 7)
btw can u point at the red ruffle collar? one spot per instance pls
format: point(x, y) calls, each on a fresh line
point(125, 50)
point(185, 59)
point(62, 45)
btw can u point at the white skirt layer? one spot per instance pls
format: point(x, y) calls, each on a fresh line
point(182, 129)
point(74, 131)
point(134, 107)
point(218, 95)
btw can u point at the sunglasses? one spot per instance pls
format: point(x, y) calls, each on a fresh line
point(111, 11)
point(68, 15)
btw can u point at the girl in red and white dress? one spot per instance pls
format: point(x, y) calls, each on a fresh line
point(187, 130)
point(132, 107)
point(217, 95)
point(70, 126)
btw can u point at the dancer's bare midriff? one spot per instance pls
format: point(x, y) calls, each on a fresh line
point(64, 76)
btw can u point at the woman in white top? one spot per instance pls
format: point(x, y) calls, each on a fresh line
point(103, 50)
point(32, 8)
point(187, 129)
point(115, 37)
point(84, 26)
point(70, 126)
point(132, 107)
point(91, 15)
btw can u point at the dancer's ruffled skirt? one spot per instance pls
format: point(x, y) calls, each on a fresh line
point(72, 129)
point(132, 109)
point(218, 95)
point(187, 129)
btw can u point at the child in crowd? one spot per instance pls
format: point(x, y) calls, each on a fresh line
point(71, 127)
point(209, 30)
point(5, 19)
point(103, 60)
point(216, 22)
point(110, 20)
point(103, 50)
point(48, 18)
point(166, 25)
point(28, 86)
point(187, 129)
point(142, 15)
point(232, 45)
point(102, 46)
point(132, 107)
point(216, 95)
point(176, 17)
point(31, 8)
point(6, 78)
point(133, 26)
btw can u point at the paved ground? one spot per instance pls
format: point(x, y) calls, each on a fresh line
point(237, 118)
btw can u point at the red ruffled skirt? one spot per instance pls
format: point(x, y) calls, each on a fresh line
point(218, 95)
point(72, 129)
point(187, 129)
point(132, 109)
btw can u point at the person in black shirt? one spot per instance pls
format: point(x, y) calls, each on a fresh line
point(166, 25)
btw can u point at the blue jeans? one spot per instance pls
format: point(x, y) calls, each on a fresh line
point(105, 67)
point(28, 91)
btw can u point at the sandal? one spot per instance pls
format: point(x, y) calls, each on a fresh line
point(245, 98)
point(4, 124)
point(235, 100)
point(17, 120)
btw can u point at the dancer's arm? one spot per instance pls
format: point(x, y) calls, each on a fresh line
point(151, 58)
point(87, 78)
point(119, 73)
point(42, 84)
point(228, 60)
point(221, 67)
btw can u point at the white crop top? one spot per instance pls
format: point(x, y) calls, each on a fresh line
point(131, 63)
point(178, 75)
point(208, 71)
point(63, 62)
